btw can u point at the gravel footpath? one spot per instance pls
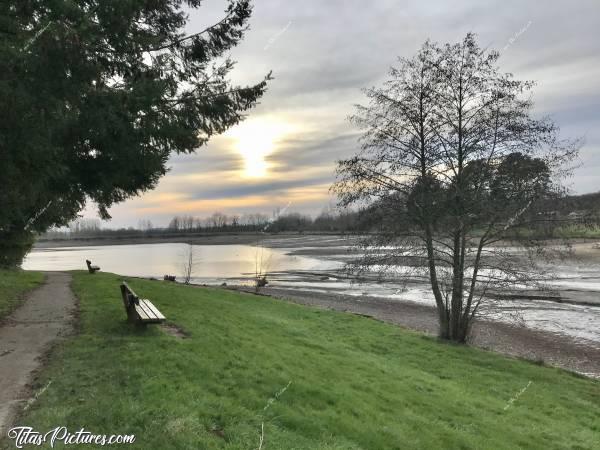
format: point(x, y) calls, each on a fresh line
point(25, 338)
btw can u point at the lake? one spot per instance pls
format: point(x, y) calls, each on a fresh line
point(212, 263)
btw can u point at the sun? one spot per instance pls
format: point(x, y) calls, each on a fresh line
point(255, 141)
point(255, 145)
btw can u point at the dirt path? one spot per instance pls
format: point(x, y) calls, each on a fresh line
point(550, 348)
point(25, 337)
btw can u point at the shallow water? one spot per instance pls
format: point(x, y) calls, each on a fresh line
point(212, 263)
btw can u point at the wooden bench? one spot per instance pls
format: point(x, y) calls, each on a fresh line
point(139, 310)
point(91, 269)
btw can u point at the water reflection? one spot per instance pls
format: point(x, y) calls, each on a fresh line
point(212, 263)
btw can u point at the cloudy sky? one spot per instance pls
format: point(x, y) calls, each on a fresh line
point(323, 52)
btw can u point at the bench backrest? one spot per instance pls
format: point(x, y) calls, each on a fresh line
point(129, 300)
point(128, 294)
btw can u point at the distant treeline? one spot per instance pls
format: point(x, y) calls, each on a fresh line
point(582, 211)
point(345, 222)
point(329, 222)
point(585, 205)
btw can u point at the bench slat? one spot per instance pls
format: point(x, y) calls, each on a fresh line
point(142, 305)
point(154, 309)
point(147, 310)
point(143, 315)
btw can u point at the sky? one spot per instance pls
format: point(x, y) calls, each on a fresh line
point(322, 53)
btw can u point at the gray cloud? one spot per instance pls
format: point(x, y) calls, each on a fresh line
point(246, 189)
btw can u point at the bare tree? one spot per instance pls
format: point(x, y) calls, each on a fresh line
point(85, 225)
point(145, 225)
point(188, 223)
point(235, 221)
point(174, 224)
point(454, 165)
point(262, 265)
point(217, 221)
point(190, 261)
point(255, 220)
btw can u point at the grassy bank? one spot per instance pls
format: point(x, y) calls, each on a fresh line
point(310, 379)
point(13, 286)
point(579, 231)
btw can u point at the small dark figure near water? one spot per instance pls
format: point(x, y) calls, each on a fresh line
point(169, 278)
point(91, 269)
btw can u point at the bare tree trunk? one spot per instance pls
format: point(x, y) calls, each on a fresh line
point(439, 301)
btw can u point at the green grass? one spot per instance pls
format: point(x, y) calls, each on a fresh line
point(573, 231)
point(355, 383)
point(579, 231)
point(14, 284)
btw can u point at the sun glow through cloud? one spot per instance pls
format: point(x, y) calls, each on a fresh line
point(256, 140)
